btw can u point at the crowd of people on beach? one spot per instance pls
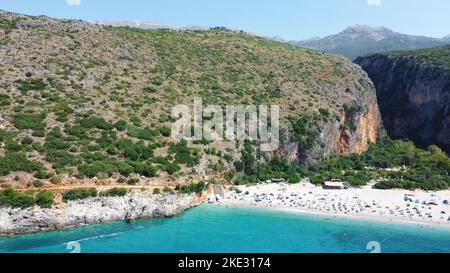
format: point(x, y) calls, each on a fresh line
point(415, 206)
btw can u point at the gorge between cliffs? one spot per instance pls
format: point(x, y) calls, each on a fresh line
point(414, 98)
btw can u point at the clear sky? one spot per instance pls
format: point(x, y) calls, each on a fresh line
point(290, 19)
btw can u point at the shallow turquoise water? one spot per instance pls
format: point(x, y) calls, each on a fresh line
point(218, 229)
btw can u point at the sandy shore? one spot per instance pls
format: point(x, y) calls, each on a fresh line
point(419, 207)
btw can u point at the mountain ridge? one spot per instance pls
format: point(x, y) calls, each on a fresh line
point(361, 40)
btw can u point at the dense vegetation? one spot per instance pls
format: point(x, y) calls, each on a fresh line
point(79, 194)
point(115, 192)
point(398, 164)
point(18, 199)
point(191, 188)
point(104, 111)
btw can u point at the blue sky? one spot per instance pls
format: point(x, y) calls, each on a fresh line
point(290, 19)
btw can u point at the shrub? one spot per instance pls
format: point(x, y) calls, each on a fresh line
point(165, 131)
point(183, 154)
point(27, 141)
point(13, 146)
point(171, 168)
point(79, 194)
point(157, 81)
point(191, 188)
point(92, 170)
point(29, 121)
point(150, 89)
point(120, 125)
point(61, 159)
point(31, 84)
point(168, 190)
point(229, 175)
point(56, 180)
point(38, 184)
point(156, 191)
point(3, 134)
point(125, 168)
point(305, 130)
point(56, 144)
point(294, 178)
point(41, 174)
point(115, 192)
point(325, 113)
point(148, 171)
point(144, 134)
point(4, 100)
point(96, 122)
point(16, 199)
point(45, 199)
point(18, 162)
point(76, 130)
point(133, 181)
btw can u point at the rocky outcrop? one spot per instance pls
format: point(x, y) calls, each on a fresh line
point(94, 210)
point(413, 97)
point(351, 130)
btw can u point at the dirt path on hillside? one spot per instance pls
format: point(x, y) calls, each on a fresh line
point(99, 188)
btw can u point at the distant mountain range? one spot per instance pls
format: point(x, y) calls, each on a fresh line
point(360, 40)
point(144, 24)
point(156, 25)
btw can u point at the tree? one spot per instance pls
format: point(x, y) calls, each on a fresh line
point(248, 159)
point(294, 178)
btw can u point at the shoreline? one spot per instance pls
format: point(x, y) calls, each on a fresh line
point(391, 201)
point(144, 205)
point(98, 210)
point(362, 218)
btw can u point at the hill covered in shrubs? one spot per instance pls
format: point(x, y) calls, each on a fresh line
point(82, 101)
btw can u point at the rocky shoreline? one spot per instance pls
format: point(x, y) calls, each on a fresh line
point(135, 205)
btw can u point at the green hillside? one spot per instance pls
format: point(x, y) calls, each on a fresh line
point(81, 101)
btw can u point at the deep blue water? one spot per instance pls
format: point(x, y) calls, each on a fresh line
point(218, 229)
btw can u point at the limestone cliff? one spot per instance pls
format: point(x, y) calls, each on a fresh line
point(351, 130)
point(413, 96)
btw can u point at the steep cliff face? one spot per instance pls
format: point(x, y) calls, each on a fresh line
point(413, 96)
point(353, 133)
point(351, 130)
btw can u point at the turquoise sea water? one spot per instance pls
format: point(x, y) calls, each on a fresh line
point(211, 228)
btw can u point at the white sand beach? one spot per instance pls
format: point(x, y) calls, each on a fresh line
point(420, 207)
